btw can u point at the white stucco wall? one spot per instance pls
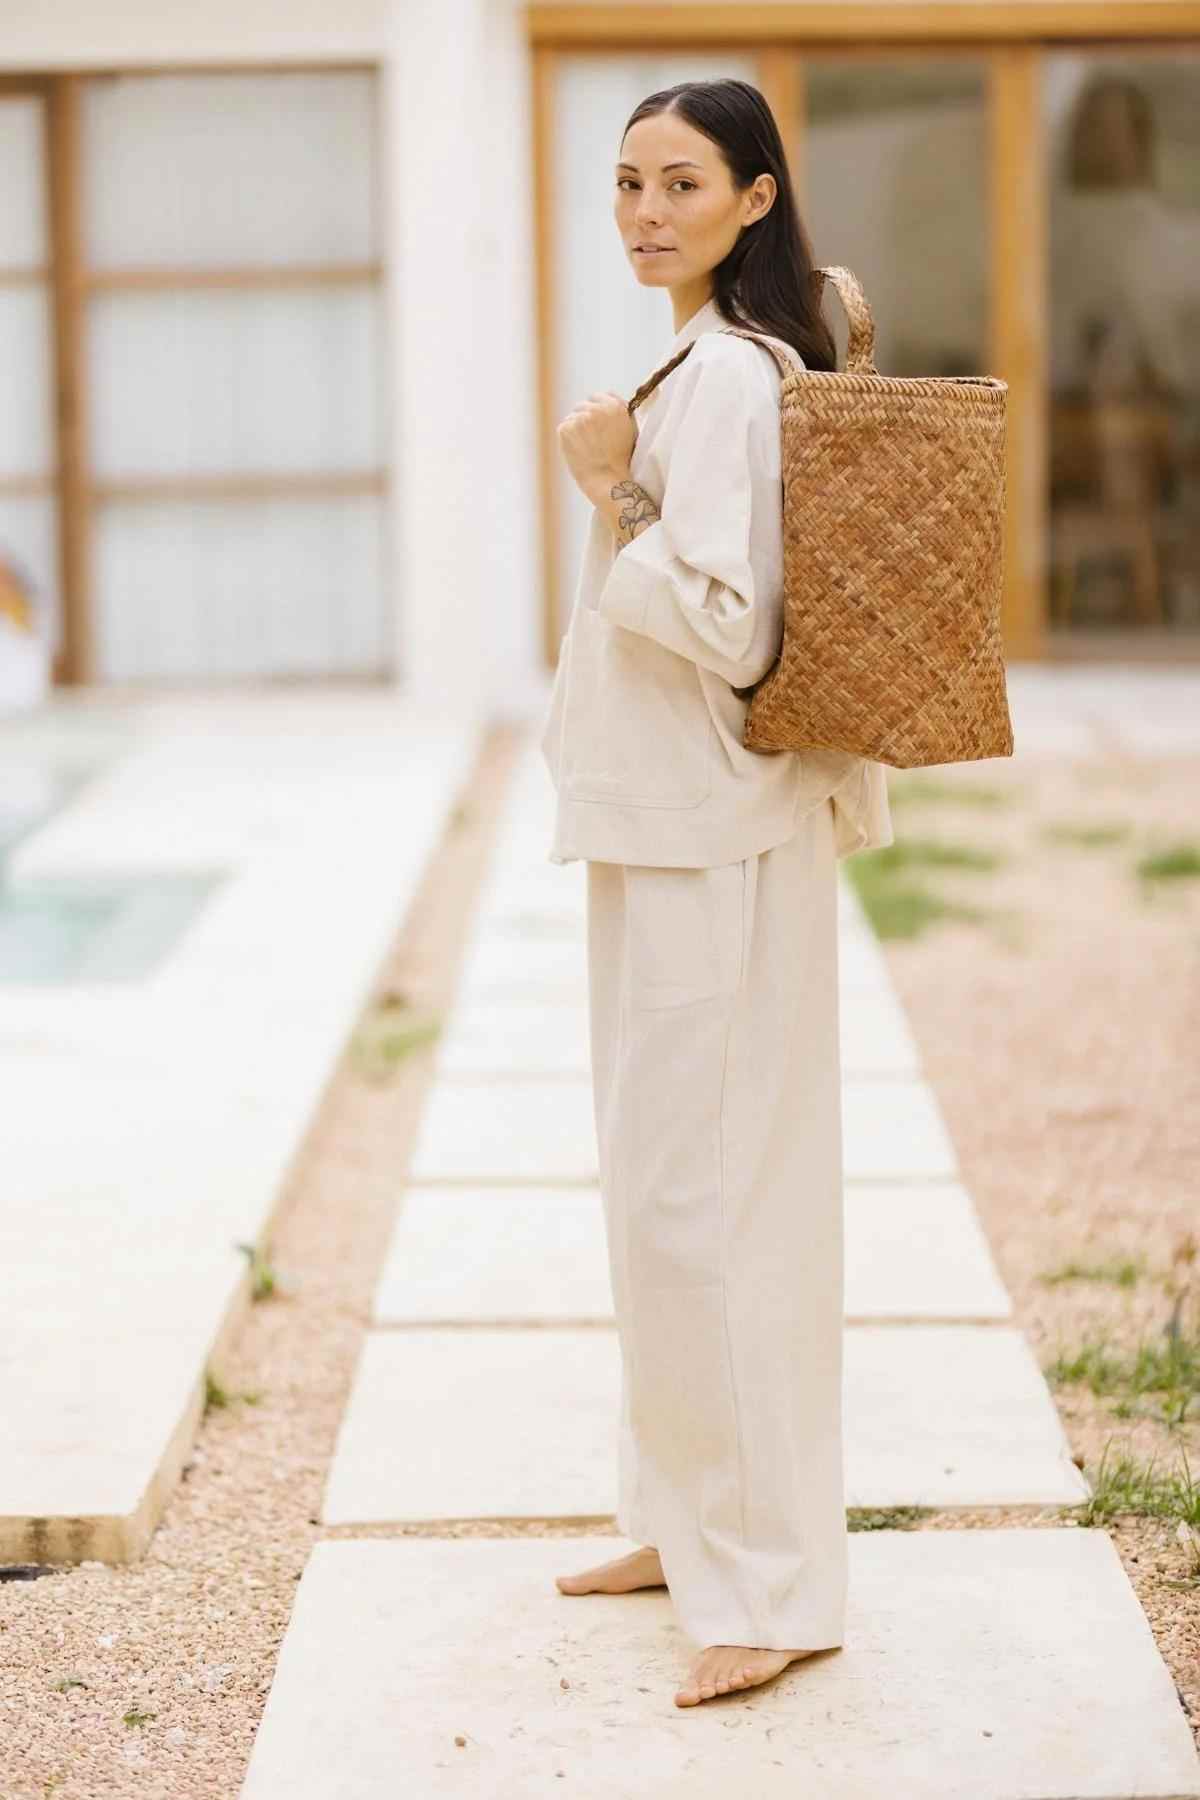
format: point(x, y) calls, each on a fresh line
point(91, 33)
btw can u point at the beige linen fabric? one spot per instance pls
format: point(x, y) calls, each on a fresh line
point(716, 1079)
point(643, 733)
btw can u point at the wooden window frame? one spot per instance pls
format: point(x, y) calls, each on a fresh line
point(72, 284)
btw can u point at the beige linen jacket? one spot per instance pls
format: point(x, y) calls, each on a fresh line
point(643, 733)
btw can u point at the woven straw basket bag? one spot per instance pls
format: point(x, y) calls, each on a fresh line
point(893, 513)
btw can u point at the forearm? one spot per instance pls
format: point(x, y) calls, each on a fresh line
point(625, 505)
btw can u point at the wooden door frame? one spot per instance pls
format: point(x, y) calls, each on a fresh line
point(1011, 40)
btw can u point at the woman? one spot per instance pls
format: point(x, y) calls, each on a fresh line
point(712, 919)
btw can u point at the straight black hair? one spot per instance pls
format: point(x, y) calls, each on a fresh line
point(766, 281)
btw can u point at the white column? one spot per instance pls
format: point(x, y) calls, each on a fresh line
point(466, 561)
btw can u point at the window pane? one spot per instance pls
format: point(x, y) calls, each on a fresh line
point(228, 382)
point(285, 587)
point(894, 154)
point(22, 190)
point(205, 170)
point(1124, 134)
point(26, 427)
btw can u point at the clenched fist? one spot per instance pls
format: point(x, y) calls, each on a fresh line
point(597, 440)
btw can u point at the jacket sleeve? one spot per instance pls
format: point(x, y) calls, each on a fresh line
point(706, 579)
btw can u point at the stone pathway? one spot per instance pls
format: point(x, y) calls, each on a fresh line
point(151, 1117)
point(998, 1663)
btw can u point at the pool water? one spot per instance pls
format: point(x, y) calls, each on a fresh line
point(89, 927)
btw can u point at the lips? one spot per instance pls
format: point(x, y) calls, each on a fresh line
point(653, 249)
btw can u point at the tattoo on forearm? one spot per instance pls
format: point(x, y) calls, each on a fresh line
point(638, 512)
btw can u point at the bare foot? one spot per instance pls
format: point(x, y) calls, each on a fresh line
point(640, 1569)
point(722, 1668)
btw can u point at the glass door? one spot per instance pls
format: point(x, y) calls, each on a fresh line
point(891, 151)
point(1123, 142)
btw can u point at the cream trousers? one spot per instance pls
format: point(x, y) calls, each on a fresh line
point(717, 1086)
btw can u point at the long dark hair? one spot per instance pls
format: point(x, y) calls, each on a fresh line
point(766, 281)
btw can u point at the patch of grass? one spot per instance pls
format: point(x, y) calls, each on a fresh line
point(933, 790)
point(1084, 837)
point(391, 1030)
point(217, 1397)
point(66, 1682)
point(885, 1518)
point(904, 912)
point(1174, 862)
point(1168, 1367)
point(135, 1717)
point(1122, 1272)
point(900, 906)
point(931, 853)
point(263, 1277)
point(1123, 1484)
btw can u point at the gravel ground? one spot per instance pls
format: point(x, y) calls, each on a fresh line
point(1061, 1035)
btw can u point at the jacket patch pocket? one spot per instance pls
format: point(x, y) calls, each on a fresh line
point(684, 931)
point(639, 730)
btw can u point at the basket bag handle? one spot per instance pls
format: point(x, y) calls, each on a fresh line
point(859, 349)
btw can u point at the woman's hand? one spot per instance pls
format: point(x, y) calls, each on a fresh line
point(597, 441)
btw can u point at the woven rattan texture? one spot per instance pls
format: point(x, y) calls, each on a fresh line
point(893, 545)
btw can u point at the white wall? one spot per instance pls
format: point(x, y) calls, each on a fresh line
point(82, 34)
point(459, 210)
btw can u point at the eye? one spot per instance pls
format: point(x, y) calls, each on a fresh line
point(622, 179)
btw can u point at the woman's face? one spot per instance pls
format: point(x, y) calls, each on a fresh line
point(673, 190)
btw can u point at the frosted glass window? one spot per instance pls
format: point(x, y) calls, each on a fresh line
point(29, 535)
point(228, 382)
point(1123, 135)
point(611, 331)
point(26, 426)
point(896, 190)
point(220, 170)
point(22, 189)
point(231, 589)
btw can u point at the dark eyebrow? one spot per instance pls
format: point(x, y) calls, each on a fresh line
point(665, 167)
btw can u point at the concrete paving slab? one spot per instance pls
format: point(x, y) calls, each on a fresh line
point(510, 1038)
point(523, 959)
point(893, 1130)
point(185, 1094)
point(952, 1415)
point(477, 1256)
point(1004, 1665)
point(876, 1036)
point(498, 1423)
point(514, 1040)
point(534, 970)
point(529, 1130)
point(512, 1130)
point(497, 1255)
point(917, 1252)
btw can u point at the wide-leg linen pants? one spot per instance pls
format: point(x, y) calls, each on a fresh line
point(717, 1087)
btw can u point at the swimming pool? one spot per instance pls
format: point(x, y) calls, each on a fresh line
point(88, 928)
